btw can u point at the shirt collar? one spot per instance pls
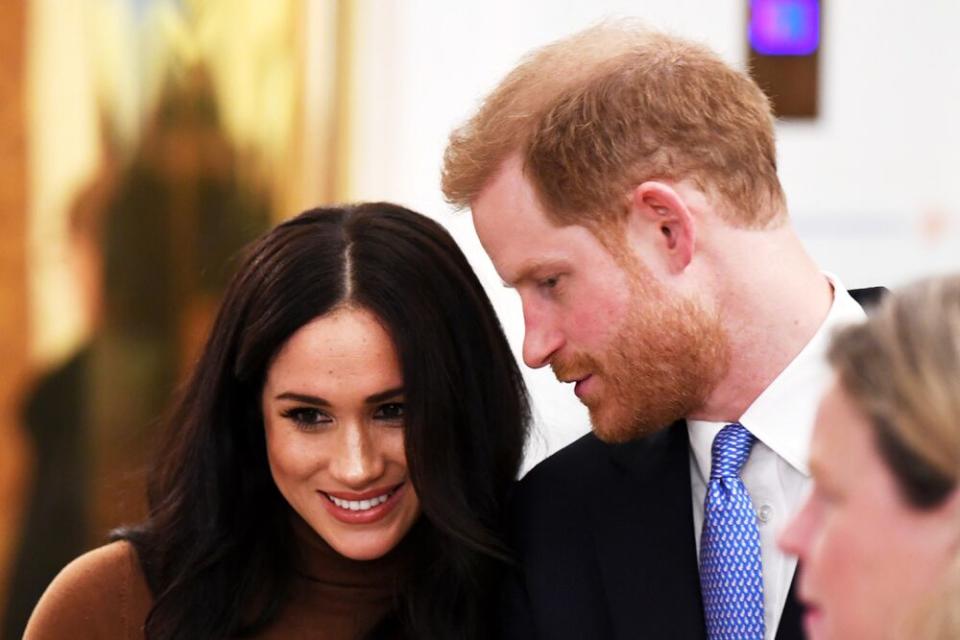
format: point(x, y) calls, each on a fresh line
point(782, 416)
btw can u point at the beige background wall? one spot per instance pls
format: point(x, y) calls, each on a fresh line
point(871, 184)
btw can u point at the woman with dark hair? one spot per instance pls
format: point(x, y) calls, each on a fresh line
point(336, 465)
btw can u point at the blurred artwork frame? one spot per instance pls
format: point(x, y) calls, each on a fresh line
point(189, 127)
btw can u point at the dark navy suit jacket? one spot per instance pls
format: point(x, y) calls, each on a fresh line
point(605, 543)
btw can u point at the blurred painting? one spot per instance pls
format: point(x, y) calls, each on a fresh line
point(187, 122)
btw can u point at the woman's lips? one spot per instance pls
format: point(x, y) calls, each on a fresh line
point(812, 621)
point(362, 508)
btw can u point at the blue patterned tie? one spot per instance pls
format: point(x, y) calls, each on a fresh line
point(731, 575)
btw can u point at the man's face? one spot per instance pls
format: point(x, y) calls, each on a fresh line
point(639, 356)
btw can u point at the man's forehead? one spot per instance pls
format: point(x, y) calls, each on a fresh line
point(507, 216)
point(507, 188)
point(515, 231)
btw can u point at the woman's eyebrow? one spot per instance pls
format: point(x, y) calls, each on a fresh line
point(303, 397)
point(384, 395)
point(317, 400)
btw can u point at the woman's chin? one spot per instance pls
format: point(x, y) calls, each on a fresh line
point(366, 545)
point(370, 541)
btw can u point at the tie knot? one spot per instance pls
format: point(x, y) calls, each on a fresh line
point(730, 450)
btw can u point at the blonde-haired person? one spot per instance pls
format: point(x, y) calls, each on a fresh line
point(879, 537)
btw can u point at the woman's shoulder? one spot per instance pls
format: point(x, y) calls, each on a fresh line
point(101, 594)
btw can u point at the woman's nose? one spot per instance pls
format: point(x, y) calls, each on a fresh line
point(796, 535)
point(357, 462)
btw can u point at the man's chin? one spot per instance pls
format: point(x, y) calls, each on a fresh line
point(615, 427)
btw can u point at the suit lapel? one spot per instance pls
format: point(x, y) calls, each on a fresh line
point(869, 297)
point(645, 540)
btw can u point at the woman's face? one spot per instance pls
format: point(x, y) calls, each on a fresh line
point(333, 414)
point(867, 558)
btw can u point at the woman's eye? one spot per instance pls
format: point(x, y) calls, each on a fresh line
point(307, 417)
point(825, 496)
point(391, 411)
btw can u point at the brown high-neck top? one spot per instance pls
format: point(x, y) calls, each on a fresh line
point(104, 595)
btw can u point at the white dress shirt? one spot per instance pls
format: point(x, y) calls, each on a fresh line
point(776, 473)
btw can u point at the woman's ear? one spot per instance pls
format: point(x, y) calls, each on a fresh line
point(661, 212)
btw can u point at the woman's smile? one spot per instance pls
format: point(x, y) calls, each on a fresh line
point(364, 508)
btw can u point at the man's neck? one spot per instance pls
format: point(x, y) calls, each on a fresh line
point(772, 302)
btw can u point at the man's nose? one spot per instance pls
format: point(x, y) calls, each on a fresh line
point(541, 338)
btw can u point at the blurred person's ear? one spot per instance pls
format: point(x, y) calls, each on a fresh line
point(951, 508)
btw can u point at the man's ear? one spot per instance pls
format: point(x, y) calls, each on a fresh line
point(657, 207)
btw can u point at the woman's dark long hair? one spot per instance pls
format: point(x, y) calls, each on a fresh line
point(214, 547)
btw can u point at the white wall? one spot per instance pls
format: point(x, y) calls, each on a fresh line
point(868, 182)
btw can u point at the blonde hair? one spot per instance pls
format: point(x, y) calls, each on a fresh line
point(902, 368)
point(596, 113)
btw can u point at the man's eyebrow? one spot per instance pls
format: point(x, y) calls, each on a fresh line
point(529, 267)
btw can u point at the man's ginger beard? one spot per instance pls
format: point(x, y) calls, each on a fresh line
point(662, 363)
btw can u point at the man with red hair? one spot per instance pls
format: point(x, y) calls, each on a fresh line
point(624, 183)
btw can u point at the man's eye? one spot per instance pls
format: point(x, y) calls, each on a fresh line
point(391, 411)
point(549, 283)
point(307, 417)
